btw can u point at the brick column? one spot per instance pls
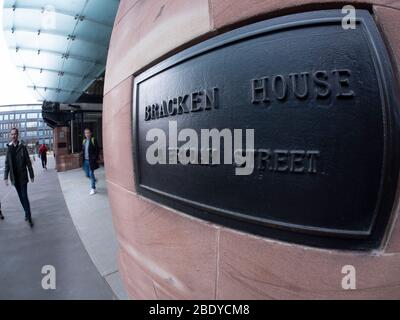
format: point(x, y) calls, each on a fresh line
point(64, 159)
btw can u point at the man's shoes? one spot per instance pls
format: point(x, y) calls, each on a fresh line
point(92, 192)
point(1, 216)
point(30, 222)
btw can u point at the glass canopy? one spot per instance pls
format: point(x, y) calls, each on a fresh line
point(61, 46)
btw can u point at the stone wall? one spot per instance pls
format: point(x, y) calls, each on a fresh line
point(165, 254)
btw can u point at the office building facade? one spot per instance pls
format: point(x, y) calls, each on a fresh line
point(28, 120)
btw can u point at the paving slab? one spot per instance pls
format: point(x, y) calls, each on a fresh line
point(53, 241)
point(93, 221)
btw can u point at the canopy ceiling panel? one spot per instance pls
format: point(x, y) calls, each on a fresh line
point(79, 66)
point(60, 46)
point(70, 5)
point(39, 80)
point(37, 61)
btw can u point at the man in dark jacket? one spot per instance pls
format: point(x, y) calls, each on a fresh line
point(17, 164)
point(91, 152)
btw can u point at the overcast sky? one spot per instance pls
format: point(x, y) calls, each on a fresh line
point(13, 88)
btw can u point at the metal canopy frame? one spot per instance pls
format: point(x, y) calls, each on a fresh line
point(62, 12)
point(78, 42)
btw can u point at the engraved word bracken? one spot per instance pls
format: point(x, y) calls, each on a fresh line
point(199, 101)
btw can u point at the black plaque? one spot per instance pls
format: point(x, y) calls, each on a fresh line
point(323, 104)
point(62, 145)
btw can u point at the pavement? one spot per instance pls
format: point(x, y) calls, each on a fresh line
point(2, 165)
point(54, 241)
point(93, 221)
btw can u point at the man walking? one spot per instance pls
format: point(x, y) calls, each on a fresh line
point(43, 155)
point(16, 167)
point(1, 214)
point(90, 157)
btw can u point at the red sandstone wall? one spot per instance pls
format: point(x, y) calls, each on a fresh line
point(167, 254)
